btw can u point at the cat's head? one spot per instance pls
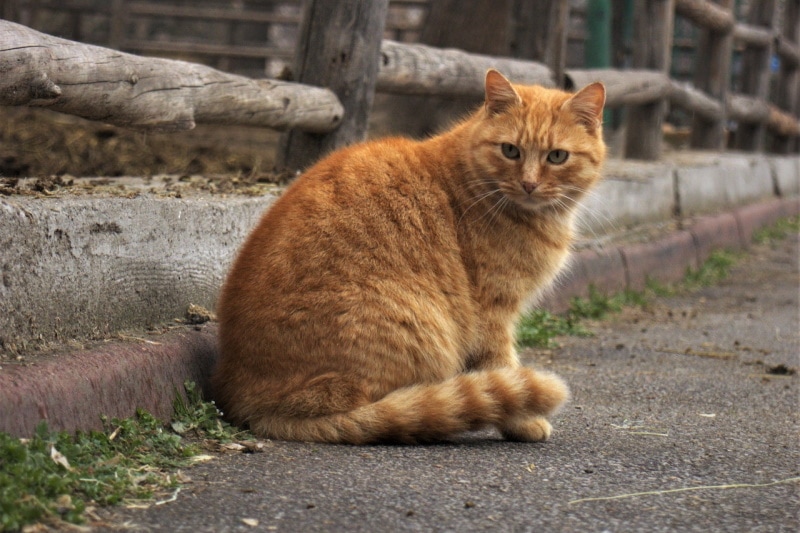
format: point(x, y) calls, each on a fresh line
point(541, 148)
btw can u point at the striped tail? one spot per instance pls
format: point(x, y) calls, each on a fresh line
point(513, 399)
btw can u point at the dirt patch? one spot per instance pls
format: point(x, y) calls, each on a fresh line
point(50, 149)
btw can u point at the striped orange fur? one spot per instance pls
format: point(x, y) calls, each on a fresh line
point(377, 299)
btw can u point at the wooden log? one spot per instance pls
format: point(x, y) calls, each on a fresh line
point(149, 93)
point(420, 69)
point(756, 66)
point(745, 108)
point(652, 33)
point(751, 110)
point(706, 15)
point(788, 51)
point(753, 35)
point(623, 87)
point(711, 75)
point(687, 97)
point(338, 48)
point(782, 123)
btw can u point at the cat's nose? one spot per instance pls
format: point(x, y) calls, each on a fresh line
point(529, 186)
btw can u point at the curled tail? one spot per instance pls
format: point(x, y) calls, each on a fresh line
point(513, 399)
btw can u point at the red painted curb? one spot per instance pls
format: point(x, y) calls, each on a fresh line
point(72, 391)
point(715, 233)
point(665, 259)
point(602, 269)
point(791, 207)
point(752, 217)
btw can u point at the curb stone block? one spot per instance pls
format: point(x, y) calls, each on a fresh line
point(715, 233)
point(791, 207)
point(752, 217)
point(665, 260)
point(605, 270)
point(786, 172)
point(72, 391)
point(570, 284)
point(724, 181)
point(616, 202)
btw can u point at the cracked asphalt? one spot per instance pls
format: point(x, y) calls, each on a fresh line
point(684, 417)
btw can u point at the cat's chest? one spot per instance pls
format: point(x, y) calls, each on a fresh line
point(507, 267)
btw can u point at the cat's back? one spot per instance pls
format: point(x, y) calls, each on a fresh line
point(373, 210)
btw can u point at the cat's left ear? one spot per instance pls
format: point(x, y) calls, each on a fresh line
point(500, 94)
point(587, 104)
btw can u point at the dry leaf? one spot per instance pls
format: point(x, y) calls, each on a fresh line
point(59, 458)
point(252, 522)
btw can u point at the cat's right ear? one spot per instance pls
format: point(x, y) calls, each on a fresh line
point(500, 94)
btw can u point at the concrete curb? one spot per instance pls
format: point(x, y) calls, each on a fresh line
point(72, 391)
point(628, 266)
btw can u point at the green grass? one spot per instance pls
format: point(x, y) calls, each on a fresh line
point(538, 328)
point(54, 476)
point(779, 231)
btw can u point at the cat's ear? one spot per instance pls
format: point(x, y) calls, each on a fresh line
point(587, 104)
point(500, 94)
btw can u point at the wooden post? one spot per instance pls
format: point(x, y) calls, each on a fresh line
point(755, 75)
point(338, 48)
point(788, 97)
point(540, 34)
point(652, 35)
point(711, 75)
point(117, 24)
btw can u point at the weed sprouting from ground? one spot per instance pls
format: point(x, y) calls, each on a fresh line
point(715, 269)
point(538, 328)
point(778, 231)
point(55, 477)
point(202, 418)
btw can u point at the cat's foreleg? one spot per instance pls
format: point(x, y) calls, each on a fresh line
point(521, 427)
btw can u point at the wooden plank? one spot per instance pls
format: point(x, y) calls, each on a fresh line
point(338, 48)
point(711, 75)
point(652, 33)
point(755, 75)
point(192, 12)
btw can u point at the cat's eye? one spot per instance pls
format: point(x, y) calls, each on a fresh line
point(510, 151)
point(557, 156)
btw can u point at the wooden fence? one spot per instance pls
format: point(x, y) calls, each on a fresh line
point(340, 48)
point(247, 37)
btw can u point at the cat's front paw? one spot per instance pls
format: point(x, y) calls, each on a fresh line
point(527, 429)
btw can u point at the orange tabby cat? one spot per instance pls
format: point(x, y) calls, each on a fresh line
point(377, 299)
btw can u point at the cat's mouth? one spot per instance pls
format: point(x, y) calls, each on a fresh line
point(535, 201)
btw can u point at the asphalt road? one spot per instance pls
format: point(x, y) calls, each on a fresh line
point(684, 417)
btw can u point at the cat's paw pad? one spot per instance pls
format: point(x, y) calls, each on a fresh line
point(533, 429)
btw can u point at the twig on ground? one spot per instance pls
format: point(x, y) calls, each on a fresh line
point(687, 489)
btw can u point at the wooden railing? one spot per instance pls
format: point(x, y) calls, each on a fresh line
point(340, 48)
